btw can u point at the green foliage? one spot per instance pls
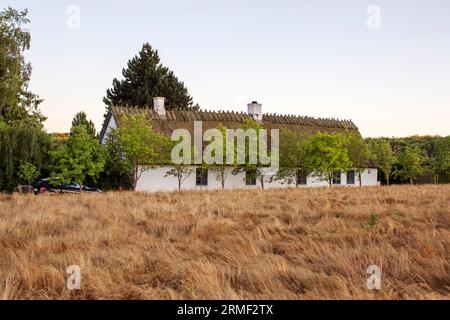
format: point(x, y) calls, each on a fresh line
point(219, 170)
point(81, 157)
point(439, 160)
point(433, 151)
point(254, 168)
point(293, 148)
point(118, 169)
point(410, 162)
point(358, 153)
point(18, 106)
point(20, 145)
point(382, 151)
point(142, 146)
point(28, 173)
point(145, 78)
point(181, 172)
point(80, 119)
point(327, 154)
point(373, 220)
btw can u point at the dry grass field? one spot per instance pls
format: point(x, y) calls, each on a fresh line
point(273, 244)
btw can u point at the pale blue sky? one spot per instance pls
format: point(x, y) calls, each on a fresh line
point(315, 58)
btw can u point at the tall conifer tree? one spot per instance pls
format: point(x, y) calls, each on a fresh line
point(145, 78)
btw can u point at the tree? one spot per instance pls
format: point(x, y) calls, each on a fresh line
point(219, 155)
point(440, 160)
point(141, 145)
point(182, 156)
point(327, 155)
point(80, 119)
point(28, 173)
point(145, 78)
point(81, 157)
point(358, 153)
point(410, 164)
point(293, 164)
point(382, 151)
point(18, 106)
point(19, 145)
point(251, 152)
point(118, 169)
point(181, 172)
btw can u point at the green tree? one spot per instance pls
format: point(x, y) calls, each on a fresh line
point(327, 155)
point(181, 172)
point(410, 162)
point(28, 173)
point(293, 146)
point(382, 151)
point(142, 146)
point(80, 119)
point(145, 78)
point(18, 106)
point(251, 151)
point(79, 158)
point(118, 169)
point(359, 154)
point(181, 159)
point(19, 145)
point(219, 167)
point(440, 160)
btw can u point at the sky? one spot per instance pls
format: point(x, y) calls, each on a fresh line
point(383, 64)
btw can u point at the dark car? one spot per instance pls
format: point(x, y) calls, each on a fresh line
point(44, 186)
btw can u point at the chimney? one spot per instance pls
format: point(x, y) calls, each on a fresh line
point(254, 109)
point(158, 105)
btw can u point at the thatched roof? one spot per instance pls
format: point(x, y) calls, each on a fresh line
point(176, 119)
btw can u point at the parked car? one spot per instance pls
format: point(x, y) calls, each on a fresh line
point(44, 186)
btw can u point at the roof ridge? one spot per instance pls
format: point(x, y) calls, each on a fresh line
point(233, 115)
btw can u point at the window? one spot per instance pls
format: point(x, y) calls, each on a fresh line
point(336, 177)
point(301, 178)
point(201, 177)
point(250, 178)
point(351, 177)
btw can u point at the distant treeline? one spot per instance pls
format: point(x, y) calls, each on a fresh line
point(431, 151)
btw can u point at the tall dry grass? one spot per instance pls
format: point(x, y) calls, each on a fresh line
point(274, 244)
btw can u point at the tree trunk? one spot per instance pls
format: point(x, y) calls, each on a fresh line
point(387, 179)
point(223, 178)
point(359, 177)
point(135, 177)
point(411, 181)
point(261, 179)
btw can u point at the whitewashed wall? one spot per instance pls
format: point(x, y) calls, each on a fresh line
point(155, 179)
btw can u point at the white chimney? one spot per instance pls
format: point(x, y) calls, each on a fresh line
point(254, 109)
point(158, 105)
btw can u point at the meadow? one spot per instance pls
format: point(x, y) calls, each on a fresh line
point(241, 244)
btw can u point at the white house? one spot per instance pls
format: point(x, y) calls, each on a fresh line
point(165, 121)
